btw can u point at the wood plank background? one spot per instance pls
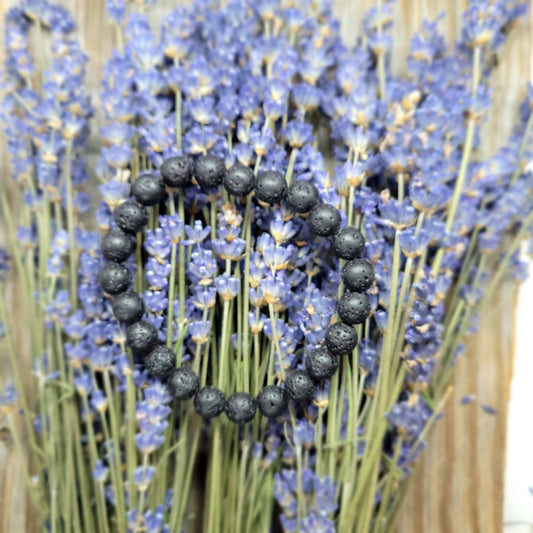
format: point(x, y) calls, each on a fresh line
point(458, 485)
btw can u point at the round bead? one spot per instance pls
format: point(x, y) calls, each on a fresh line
point(324, 220)
point(270, 187)
point(148, 189)
point(299, 385)
point(320, 364)
point(114, 278)
point(353, 307)
point(131, 217)
point(183, 383)
point(209, 171)
point(239, 180)
point(116, 246)
point(176, 171)
point(160, 362)
point(141, 337)
point(272, 401)
point(240, 407)
point(348, 243)
point(302, 196)
point(358, 275)
point(128, 307)
point(209, 402)
point(341, 339)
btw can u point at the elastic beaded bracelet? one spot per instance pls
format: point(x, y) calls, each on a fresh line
point(270, 188)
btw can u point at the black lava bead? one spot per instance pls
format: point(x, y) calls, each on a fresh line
point(209, 171)
point(320, 364)
point(183, 383)
point(270, 187)
point(272, 401)
point(114, 278)
point(209, 402)
point(148, 189)
point(358, 275)
point(341, 339)
point(128, 307)
point(176, 171)
point(239, 180)
point(160, 362)
point(131, 217)
point(324, 220)
point(240, 407)
point(116, 246)
point(141, 337)
point(299, 385)
point(353, 307)
point(348, 243)
point(302, 196)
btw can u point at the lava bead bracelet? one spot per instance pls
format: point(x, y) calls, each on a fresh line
point(270, 188)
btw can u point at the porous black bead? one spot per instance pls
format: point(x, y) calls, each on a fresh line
point(209, 402)
point(240, 407)
point(183, 383)
point(148, 189)
point(239, 180)
point(353, 307)
point(272, 401)
point(114, 278)
point(116, 246)
point(299, 385)
point(160, 362)
point(348, 243)
point(320, 364)
point(358, 275)
point(176, 171)
point(209, 171)
point(141, 337)
point(341, 339)
point(324, 220)
point(128, 307)
point(270, 187)
point(131, 217)
point(302, 196)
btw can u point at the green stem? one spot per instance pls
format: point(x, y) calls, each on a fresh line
point(213, 516)
point(223, 363)
point(73, 263)
point(181, 275)
point(275, 337)
point(242, 485)
point(380, 523)
point(177, 104)
point(461, 178)
point(115, 434)
point(93, 455)
point(290, 166)
point(171, 286)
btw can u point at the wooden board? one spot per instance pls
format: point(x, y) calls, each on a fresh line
point(458, 486)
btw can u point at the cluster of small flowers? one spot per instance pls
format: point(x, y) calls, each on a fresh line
point(42, 116)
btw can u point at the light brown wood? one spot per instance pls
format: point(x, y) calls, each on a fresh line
point(458, 485)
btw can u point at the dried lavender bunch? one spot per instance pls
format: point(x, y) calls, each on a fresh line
point(239, 291)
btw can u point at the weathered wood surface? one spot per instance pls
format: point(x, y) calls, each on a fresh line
point(458, 486)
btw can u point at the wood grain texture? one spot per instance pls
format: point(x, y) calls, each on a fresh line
point(458, 484)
